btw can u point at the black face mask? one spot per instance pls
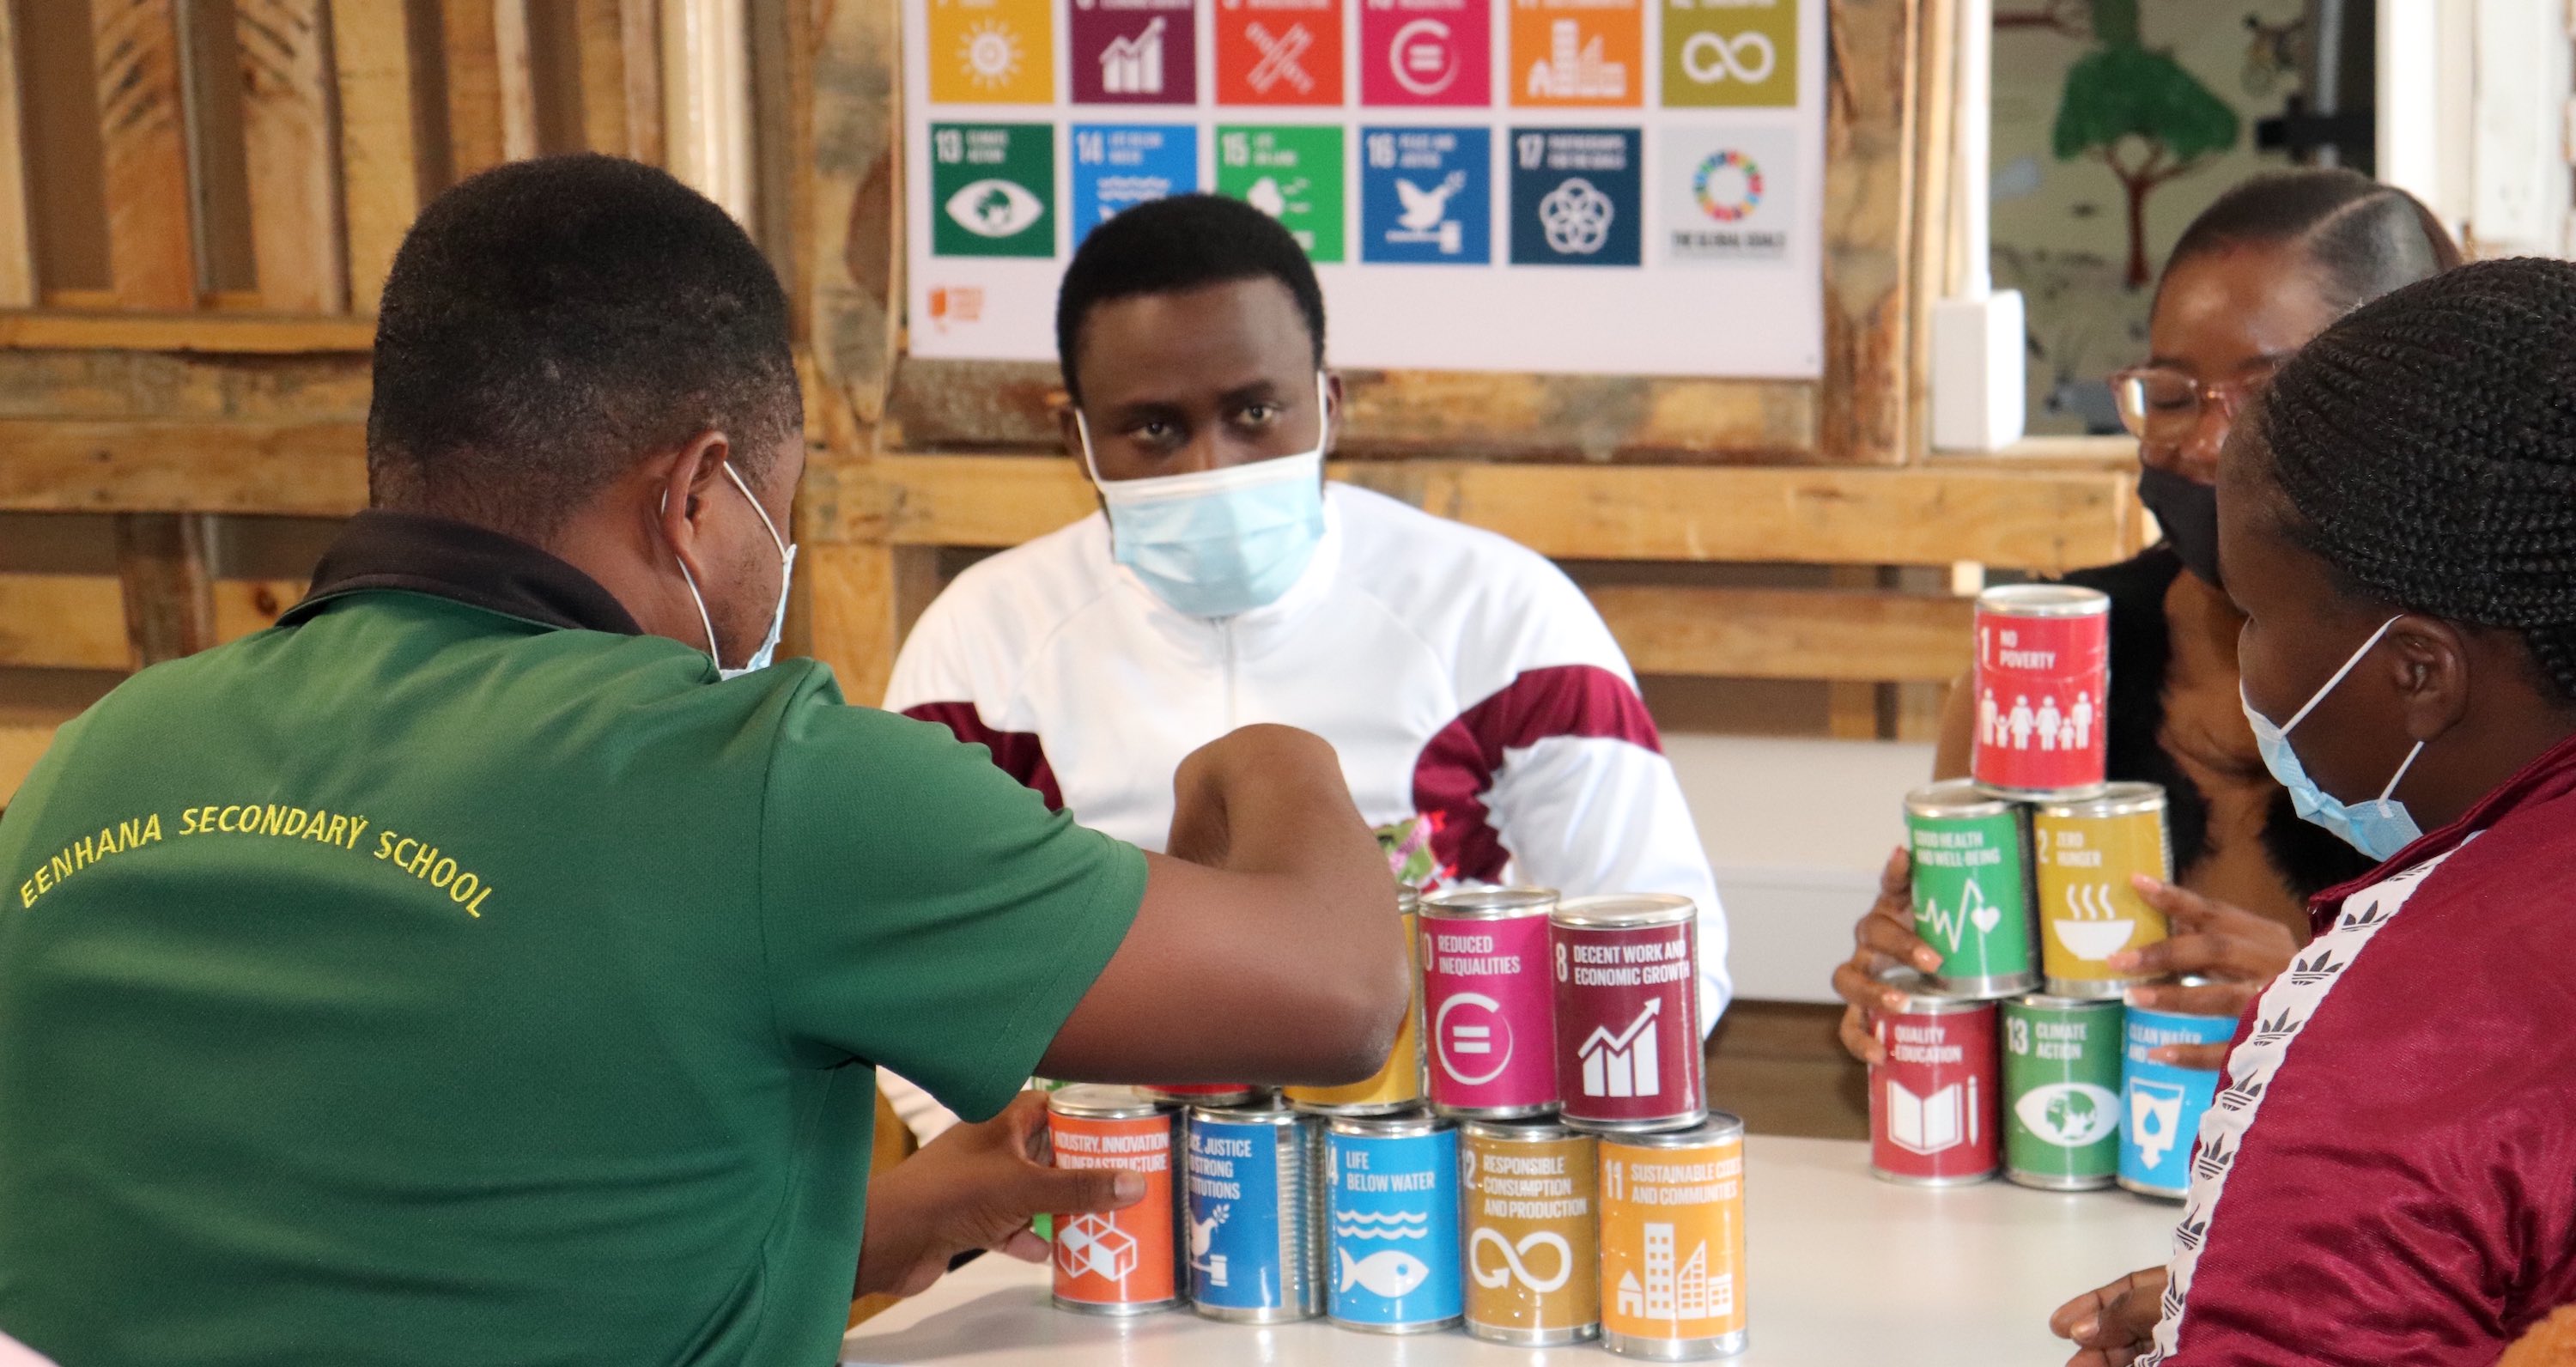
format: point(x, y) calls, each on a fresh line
point(2188, 511)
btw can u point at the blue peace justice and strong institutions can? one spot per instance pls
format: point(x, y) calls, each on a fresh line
point(1393, 1224)
point(1253, 1227)
point(2163, 1104)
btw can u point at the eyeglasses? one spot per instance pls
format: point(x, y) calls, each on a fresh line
point(2162, 406)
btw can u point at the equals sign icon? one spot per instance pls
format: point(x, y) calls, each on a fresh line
point(1471, 1039)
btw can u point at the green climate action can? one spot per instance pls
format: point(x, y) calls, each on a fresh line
point(2061, 1092)
point(1972, 889)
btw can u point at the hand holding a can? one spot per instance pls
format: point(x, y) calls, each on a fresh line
point(2238, 951)
point(2111, 1325)
point(976, 1187)
point(1883, 939)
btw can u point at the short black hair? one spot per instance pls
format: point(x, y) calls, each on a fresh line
point(2425, 447)
point(1179, 243)
point(548, 322)
point(2364, 238)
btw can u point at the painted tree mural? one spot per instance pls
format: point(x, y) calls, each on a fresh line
point(2139, 113)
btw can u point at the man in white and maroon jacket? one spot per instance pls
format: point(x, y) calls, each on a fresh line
point(1486, 720)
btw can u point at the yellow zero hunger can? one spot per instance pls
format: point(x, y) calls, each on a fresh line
point(2083, 851)
point(1529, 1203)
point(1398, 1085)
point(1672, 1242)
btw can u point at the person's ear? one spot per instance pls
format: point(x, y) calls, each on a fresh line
point(685, 488)
point(1068, 430)
point(1332, 410)
point(2428, 662)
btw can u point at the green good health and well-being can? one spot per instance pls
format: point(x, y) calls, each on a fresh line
point(1972, 889)
point(2061, 1092)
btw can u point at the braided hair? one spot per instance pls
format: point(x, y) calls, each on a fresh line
point(2362, 238)
point(2425, 447)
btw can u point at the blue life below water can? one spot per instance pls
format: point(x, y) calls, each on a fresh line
point(2162, 1104)
point(1393, 1224)
point(1254, 1233)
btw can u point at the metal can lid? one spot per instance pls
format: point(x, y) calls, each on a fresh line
point(1489, 904)
point(1957, 797)
point(2043, 1001)
point(2114, 799)
point(1408, 899)
point(1533, 1130)
point(1102, 1101)
point(1923, 999)
point(2044, 600)
point(1720, 1127)
point(1401, 1125)
point(1619, 910)
point(1266, 1110)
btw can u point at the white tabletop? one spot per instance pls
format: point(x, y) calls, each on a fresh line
point(1841, 1268)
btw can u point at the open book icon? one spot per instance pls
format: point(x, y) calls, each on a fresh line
point(1931, 1124)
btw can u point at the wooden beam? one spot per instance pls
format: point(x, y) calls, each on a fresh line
point(1838, 635)
point(476, 136)
point(143, 131)
point(17, 244)
point(1869, 203)
point(314, 470)
point(286, 131)
point(855, 271)
point(379, 150)
point(23, 740)
point(129, 387)
point(1988, 511)
point(621, 77)
point(77, 621)
point(214, 332)
point(513, 59)
point(169, 599)
point(853, 623)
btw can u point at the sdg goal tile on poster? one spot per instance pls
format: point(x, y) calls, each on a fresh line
point(1575, 54)
point(1574, 197)
point(1119, 166)
point(1279, 52)
point(1731, 53)
point(1426, 195)
point(1134, 51)
point(1426, 52)
point(1292, 172)
point(1727, 195)
point(992, 51)
point(992, 189)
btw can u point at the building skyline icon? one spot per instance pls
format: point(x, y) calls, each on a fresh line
point(1575, 69)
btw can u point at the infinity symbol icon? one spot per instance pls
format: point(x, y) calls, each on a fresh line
point(1513, 1269)
point(1709, 58)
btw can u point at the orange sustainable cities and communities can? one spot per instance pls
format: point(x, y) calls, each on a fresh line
point(1119, 1262)
point(1672, 1242)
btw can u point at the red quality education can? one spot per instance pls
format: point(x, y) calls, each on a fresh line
point(2040, 686)
point(1627, 1011)
point(1932, 1103)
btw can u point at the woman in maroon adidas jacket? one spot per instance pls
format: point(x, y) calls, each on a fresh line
point(2386, 1175)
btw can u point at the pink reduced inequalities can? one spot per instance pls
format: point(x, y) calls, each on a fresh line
point(1627, 1012)
point(1487, 1002)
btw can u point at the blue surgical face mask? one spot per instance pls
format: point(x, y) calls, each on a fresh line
point(777, 621)
point(1214, 543)
point(2378, 828)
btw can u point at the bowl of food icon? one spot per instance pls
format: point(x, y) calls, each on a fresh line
point(2094, 939)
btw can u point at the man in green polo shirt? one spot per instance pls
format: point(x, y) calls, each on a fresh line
point(489, 963)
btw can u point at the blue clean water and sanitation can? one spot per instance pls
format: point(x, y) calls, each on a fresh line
point(1393, 1224)
point(1254, 1233)
point(2162, 1104)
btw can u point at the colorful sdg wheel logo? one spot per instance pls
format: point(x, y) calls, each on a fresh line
point(1728, 198)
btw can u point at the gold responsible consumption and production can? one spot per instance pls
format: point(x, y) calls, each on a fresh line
point(1672, 1241)
point(2083, 853)
point(1529, 1193)
point(1398, 1085)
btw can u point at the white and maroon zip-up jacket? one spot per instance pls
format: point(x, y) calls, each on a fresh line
point(1461, 676)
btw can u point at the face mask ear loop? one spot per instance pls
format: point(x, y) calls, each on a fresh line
point(692, 581)
point(1323, 417)
point(2395, 778)
point(762, 513)
point(2339, 674)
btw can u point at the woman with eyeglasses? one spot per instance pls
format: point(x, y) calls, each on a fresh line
point(2267, 267)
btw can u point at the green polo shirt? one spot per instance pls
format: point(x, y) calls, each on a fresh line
point(453, 974)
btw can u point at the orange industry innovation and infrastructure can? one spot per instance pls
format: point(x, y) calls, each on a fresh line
point(1672, 1242)
point(1119, 1262)
point(1398, 1085)
point(1529, 1193)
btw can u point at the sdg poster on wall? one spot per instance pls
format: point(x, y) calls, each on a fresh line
point(1622, 187)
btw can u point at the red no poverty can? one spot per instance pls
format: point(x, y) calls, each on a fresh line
point(2039, 684)
point(1488, 1003)
point(1932, 1104)
point(1627, 1012)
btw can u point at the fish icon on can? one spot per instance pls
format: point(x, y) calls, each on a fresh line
point(1392, 1223)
